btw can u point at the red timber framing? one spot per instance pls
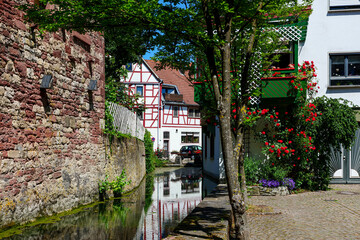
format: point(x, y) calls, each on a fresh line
point(158, 115)
point(142, 75)
point(182, 120)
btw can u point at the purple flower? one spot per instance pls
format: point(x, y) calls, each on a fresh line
point(269, 183)
point(288, 182)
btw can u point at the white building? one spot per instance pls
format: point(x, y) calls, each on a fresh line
point(171, 115)
point(332, 42)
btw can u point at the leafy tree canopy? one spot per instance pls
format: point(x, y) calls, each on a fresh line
point(222, 39)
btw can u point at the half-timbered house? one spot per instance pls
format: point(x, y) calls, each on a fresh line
point(171, 115)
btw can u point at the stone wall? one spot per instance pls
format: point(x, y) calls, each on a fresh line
point(52, 152)
point(128, 154)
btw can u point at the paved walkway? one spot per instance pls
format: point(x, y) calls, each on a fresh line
point(333, 214)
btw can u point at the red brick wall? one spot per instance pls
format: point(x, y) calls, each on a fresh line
point(49, 161)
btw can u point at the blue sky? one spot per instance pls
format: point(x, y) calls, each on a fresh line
point(149, 54)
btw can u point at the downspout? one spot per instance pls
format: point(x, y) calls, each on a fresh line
point(159, 113)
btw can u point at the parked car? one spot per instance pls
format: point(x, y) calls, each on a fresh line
point(191, 151)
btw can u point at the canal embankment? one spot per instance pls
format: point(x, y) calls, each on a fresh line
point(209, 220)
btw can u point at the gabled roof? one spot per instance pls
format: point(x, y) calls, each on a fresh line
point(174, 77)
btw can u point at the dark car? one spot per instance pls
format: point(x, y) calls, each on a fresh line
point(192, 151)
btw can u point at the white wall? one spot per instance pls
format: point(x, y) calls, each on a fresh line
point(213, 167)
point(175, 138)
point(331, 33)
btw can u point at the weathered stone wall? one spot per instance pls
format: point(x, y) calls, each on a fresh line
point(52, 152)
point(128, 154)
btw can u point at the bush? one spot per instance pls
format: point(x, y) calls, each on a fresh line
point(257, 169)
point(117, 186)
point(252, 170)
point(150, 157)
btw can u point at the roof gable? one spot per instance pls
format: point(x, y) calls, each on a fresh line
point(172, 76)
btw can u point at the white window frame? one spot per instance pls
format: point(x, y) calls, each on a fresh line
point(354, 6)
point(346, 77)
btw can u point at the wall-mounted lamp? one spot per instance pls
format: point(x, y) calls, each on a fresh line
point(46, 82)
point(92, 85)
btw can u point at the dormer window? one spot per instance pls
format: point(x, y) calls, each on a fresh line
point(169, 90)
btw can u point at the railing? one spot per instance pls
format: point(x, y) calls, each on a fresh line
point(126, 121)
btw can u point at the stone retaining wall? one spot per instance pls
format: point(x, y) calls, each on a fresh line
point(51, 144)
point(128, 154)
point(266, 191)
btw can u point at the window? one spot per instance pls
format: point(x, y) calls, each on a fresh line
point(193, 113)
point(139, 90)
point(175, 111)
point(190, 137)
point(284, 58)
point(344, 5)
point(168, 90)
point(344, 69)
point(197, 113)
point(166, 135)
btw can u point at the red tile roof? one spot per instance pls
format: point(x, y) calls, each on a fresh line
point(174, 77)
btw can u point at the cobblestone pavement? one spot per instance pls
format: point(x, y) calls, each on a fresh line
point(333, 214)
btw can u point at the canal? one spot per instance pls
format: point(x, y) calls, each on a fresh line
point(152, 211)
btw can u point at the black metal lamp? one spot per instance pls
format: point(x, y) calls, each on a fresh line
point(92, 85)
point(46, 82)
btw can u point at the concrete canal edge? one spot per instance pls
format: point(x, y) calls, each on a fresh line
point(209, 220)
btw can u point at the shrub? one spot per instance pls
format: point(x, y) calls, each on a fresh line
point(256, 169)
point(150, 157)
point(117, 186)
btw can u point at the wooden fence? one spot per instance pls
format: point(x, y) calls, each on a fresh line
point(126, 121)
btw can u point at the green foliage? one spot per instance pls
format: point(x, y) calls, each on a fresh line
point(150, 157)
point(335, 128)
point(257, 169)
point(221, 36)
point(116, 185)
point(149, 189)
point(252, 170)
point(300, 137)
point(103, 186)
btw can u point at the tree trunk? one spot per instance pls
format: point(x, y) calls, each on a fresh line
point(236, 196)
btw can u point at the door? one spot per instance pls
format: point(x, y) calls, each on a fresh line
point(345, 164)
point(166, 148)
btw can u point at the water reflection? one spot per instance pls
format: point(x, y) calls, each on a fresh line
point(176, 194)
point(151, 212)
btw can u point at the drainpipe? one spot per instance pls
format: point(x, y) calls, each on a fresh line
point(159, 113)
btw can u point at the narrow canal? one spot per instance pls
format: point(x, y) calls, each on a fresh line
point(152, 211)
